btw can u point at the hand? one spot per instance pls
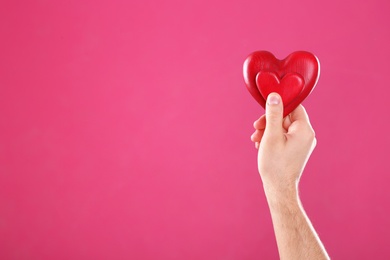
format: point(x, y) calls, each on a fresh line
point(285, 145)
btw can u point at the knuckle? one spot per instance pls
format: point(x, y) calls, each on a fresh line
point(309, 134)
point(314, 142)
point(254, 137)
point(312, 133)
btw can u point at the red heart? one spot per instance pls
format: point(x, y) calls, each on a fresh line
point(300, 64)
point(288, 87)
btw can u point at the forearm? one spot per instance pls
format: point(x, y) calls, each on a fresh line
point(295, 235)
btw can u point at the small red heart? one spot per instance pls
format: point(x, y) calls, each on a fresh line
point(288, 87)
point(262, 71)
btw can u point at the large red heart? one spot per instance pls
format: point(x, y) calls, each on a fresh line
point(293, 78)
point(289, 87)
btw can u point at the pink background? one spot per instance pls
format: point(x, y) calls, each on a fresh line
point(125, 128)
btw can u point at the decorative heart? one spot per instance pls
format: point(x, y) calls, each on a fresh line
point(293, 78)
point(289, 87)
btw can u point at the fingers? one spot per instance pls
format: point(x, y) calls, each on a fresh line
point(287, 122)
point(257, 135)
point(299, 114)
point(260, 123)
point(274, 115)
point(300, 125)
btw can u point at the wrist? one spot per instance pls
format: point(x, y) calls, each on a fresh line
point(284, 196)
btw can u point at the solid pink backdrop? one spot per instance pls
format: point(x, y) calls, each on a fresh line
point(125, 128)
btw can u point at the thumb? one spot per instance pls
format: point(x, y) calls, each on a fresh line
point(274, 116)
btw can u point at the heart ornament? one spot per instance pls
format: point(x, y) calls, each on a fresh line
point(293, 78)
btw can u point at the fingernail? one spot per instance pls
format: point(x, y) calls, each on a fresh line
point(273, 100)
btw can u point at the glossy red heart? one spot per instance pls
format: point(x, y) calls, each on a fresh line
point(289, 87)
point(294, 78)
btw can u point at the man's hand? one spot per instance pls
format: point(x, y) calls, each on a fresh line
point(284, 146)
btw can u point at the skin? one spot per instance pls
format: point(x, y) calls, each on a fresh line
point(284, 147)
